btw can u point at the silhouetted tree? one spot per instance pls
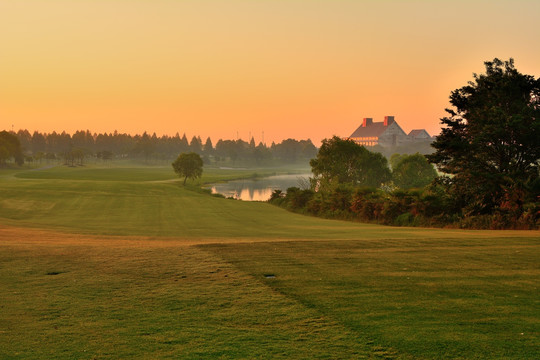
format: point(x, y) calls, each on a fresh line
point(39, 143)
point(208, 147)
point(261, 153)
point(25, 140)
point(145, 146)
point(229, 148)
point(491, 140)
point(164, 147)
point(288, 150)
point(83, 140)
point(184, 144)
point(188, 165)
point(196, 145)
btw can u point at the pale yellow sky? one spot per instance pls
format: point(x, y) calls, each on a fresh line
point(300, 69)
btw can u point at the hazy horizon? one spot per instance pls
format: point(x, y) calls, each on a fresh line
point(151, 133)
point(295, 69)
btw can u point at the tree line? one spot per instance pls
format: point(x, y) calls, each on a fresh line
point(488, 153)
point(74, 148)
point(10, 149)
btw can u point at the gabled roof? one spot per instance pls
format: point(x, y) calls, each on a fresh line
point(416, 132)
point(373, 129)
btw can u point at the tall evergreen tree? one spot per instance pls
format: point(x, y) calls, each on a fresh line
point(491, 139)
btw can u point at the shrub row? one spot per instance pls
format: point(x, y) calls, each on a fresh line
point(428, 207)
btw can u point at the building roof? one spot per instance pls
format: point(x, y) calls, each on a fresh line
point(416, 132)
point(373, 129)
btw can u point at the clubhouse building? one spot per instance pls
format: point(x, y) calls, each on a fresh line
point(386, 133)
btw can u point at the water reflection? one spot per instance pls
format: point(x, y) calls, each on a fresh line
point(259, 189)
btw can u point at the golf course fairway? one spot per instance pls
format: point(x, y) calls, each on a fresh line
point(116, 262)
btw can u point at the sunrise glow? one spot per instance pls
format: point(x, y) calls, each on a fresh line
point(267, 69)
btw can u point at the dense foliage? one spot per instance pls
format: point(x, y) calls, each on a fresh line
point(342, 161)
point(339, 190)
point(431, 206)
point(491, 144)
point(412, 171)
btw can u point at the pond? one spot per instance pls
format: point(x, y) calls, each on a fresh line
point(259, 189)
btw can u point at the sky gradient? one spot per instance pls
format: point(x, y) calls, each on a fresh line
point(290, 69)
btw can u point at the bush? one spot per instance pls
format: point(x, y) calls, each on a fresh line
point(405, 219)
point(276, 195)
point(297, 199)
point(431, 206)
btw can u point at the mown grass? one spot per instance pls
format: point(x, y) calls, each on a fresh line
point(150, 302)
point(458, 298)
point(161, 271)
point(151, 202)
point(131, 173)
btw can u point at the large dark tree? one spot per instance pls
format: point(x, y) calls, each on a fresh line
point(344, 161)
point(491, 139)
point(188, 165)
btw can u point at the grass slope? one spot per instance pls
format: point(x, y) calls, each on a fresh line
point(136, 266)
point(148, 202)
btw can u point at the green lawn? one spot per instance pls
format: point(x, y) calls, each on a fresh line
point(421, 298)
point(133, 265)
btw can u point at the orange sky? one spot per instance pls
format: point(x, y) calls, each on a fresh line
point(300, 69)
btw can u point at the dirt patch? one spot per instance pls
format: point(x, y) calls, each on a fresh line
point(11, 235)
point(23, 236)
